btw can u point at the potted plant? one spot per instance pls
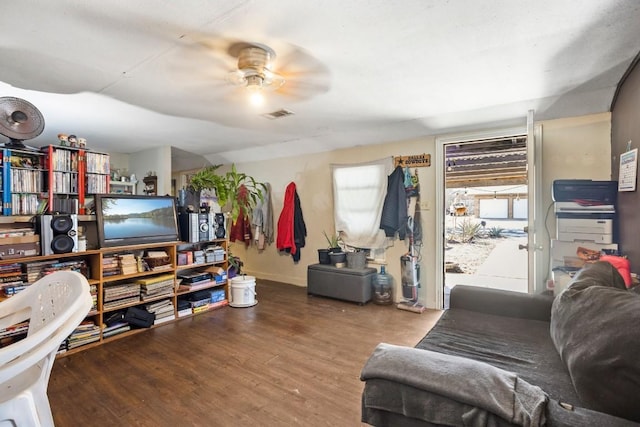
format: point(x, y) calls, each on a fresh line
point(333, 241)
point(235, 265)
point(323, 253)
point(227, 187)
point(335, 252)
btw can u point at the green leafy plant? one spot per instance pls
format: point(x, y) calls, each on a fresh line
point(227, 187)
point(467, 231)
point(495, 232)
point(205, 179)
point(233, 181)
point(333, 240)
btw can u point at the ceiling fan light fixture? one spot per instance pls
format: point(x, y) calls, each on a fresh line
point(254, 88)
point(254, 71)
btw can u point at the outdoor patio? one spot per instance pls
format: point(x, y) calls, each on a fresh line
point(504, 266)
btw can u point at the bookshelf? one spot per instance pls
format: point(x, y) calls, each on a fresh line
point(23, 181)
point(72, 175)
point(142, 276)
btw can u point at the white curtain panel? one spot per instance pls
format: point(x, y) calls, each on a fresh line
point(358, 196)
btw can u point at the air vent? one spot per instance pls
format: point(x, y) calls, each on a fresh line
point(278, 114)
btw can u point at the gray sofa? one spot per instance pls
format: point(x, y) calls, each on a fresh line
point(499, 358)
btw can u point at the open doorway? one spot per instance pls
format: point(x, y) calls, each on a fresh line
point(485, 222)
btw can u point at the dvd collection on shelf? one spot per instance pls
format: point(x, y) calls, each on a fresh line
point(26, 181)
point(25, 204)
point(58, 174)
point(97, 184)
point(65, 182)
point(97, 163)
point(64, 160)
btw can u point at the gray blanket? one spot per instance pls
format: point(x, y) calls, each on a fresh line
point(482, 391)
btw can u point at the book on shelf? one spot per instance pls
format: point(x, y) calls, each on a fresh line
point(119, 302)
point(186, 287)
point(87, 332)
point(164, 319)
point(155, 279)
point(115, 329)
point(185, 312)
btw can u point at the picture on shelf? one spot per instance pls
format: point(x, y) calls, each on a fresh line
point(130, 219)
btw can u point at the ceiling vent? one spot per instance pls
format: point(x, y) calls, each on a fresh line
point(278, 114)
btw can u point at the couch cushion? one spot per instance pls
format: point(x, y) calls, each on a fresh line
point(595, 327)
point(517, 345)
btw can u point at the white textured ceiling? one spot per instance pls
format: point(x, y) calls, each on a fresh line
point(132, 75)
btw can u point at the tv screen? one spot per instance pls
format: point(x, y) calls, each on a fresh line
point(130, 219)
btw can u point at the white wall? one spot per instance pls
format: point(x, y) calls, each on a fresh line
point(156, 159)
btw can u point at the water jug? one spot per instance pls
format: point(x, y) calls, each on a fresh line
point(383, 288)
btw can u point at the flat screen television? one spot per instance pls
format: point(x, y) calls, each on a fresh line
point(124, 219)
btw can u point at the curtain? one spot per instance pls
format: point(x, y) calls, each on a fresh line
point(358, 196)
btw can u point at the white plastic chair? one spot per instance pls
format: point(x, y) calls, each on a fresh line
point(55, 305)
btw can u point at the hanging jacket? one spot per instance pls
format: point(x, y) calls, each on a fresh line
point(299, 227)
point(394, 210)
point(292, 230)
point(241, 228)
point(263, 219)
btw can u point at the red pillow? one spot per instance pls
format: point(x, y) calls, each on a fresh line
point(622, 265)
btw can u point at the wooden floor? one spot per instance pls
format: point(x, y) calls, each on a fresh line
point(290, 360)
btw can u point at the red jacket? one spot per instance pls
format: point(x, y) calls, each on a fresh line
point(286, 239)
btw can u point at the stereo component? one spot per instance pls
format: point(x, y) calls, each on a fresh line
point(58, 233)
point(197, 227)
point(220, 231)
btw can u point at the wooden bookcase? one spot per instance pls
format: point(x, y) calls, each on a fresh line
point(23, 181)
point(72, 175)
point(96, 270)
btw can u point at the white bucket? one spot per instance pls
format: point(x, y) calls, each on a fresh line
point(243, 291)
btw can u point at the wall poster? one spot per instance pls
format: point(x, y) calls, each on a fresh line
point(628, 170)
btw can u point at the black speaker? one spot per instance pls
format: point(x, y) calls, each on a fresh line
point(219, 222)
point(58, 234)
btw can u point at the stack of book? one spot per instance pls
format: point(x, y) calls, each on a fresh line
point(114, 324)
point(127, 263)
point(184, 308)
point(153, 287)
point(35, 270)
point(200, 301)
point(162, 309)
point(85, 333)
point(120, 294)
point(13, 333)
point(110, 265)
point(12, 279)
point(194, 281)
point(79, 265)
point(115, 329)
point(93, 289)
point(158, 261)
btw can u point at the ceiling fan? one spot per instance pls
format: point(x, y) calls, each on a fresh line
point(255, 62)
point(19, 120)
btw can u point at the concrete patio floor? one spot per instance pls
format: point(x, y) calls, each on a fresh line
point(505, 268)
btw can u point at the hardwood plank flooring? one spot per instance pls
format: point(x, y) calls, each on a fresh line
point(290, 360)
